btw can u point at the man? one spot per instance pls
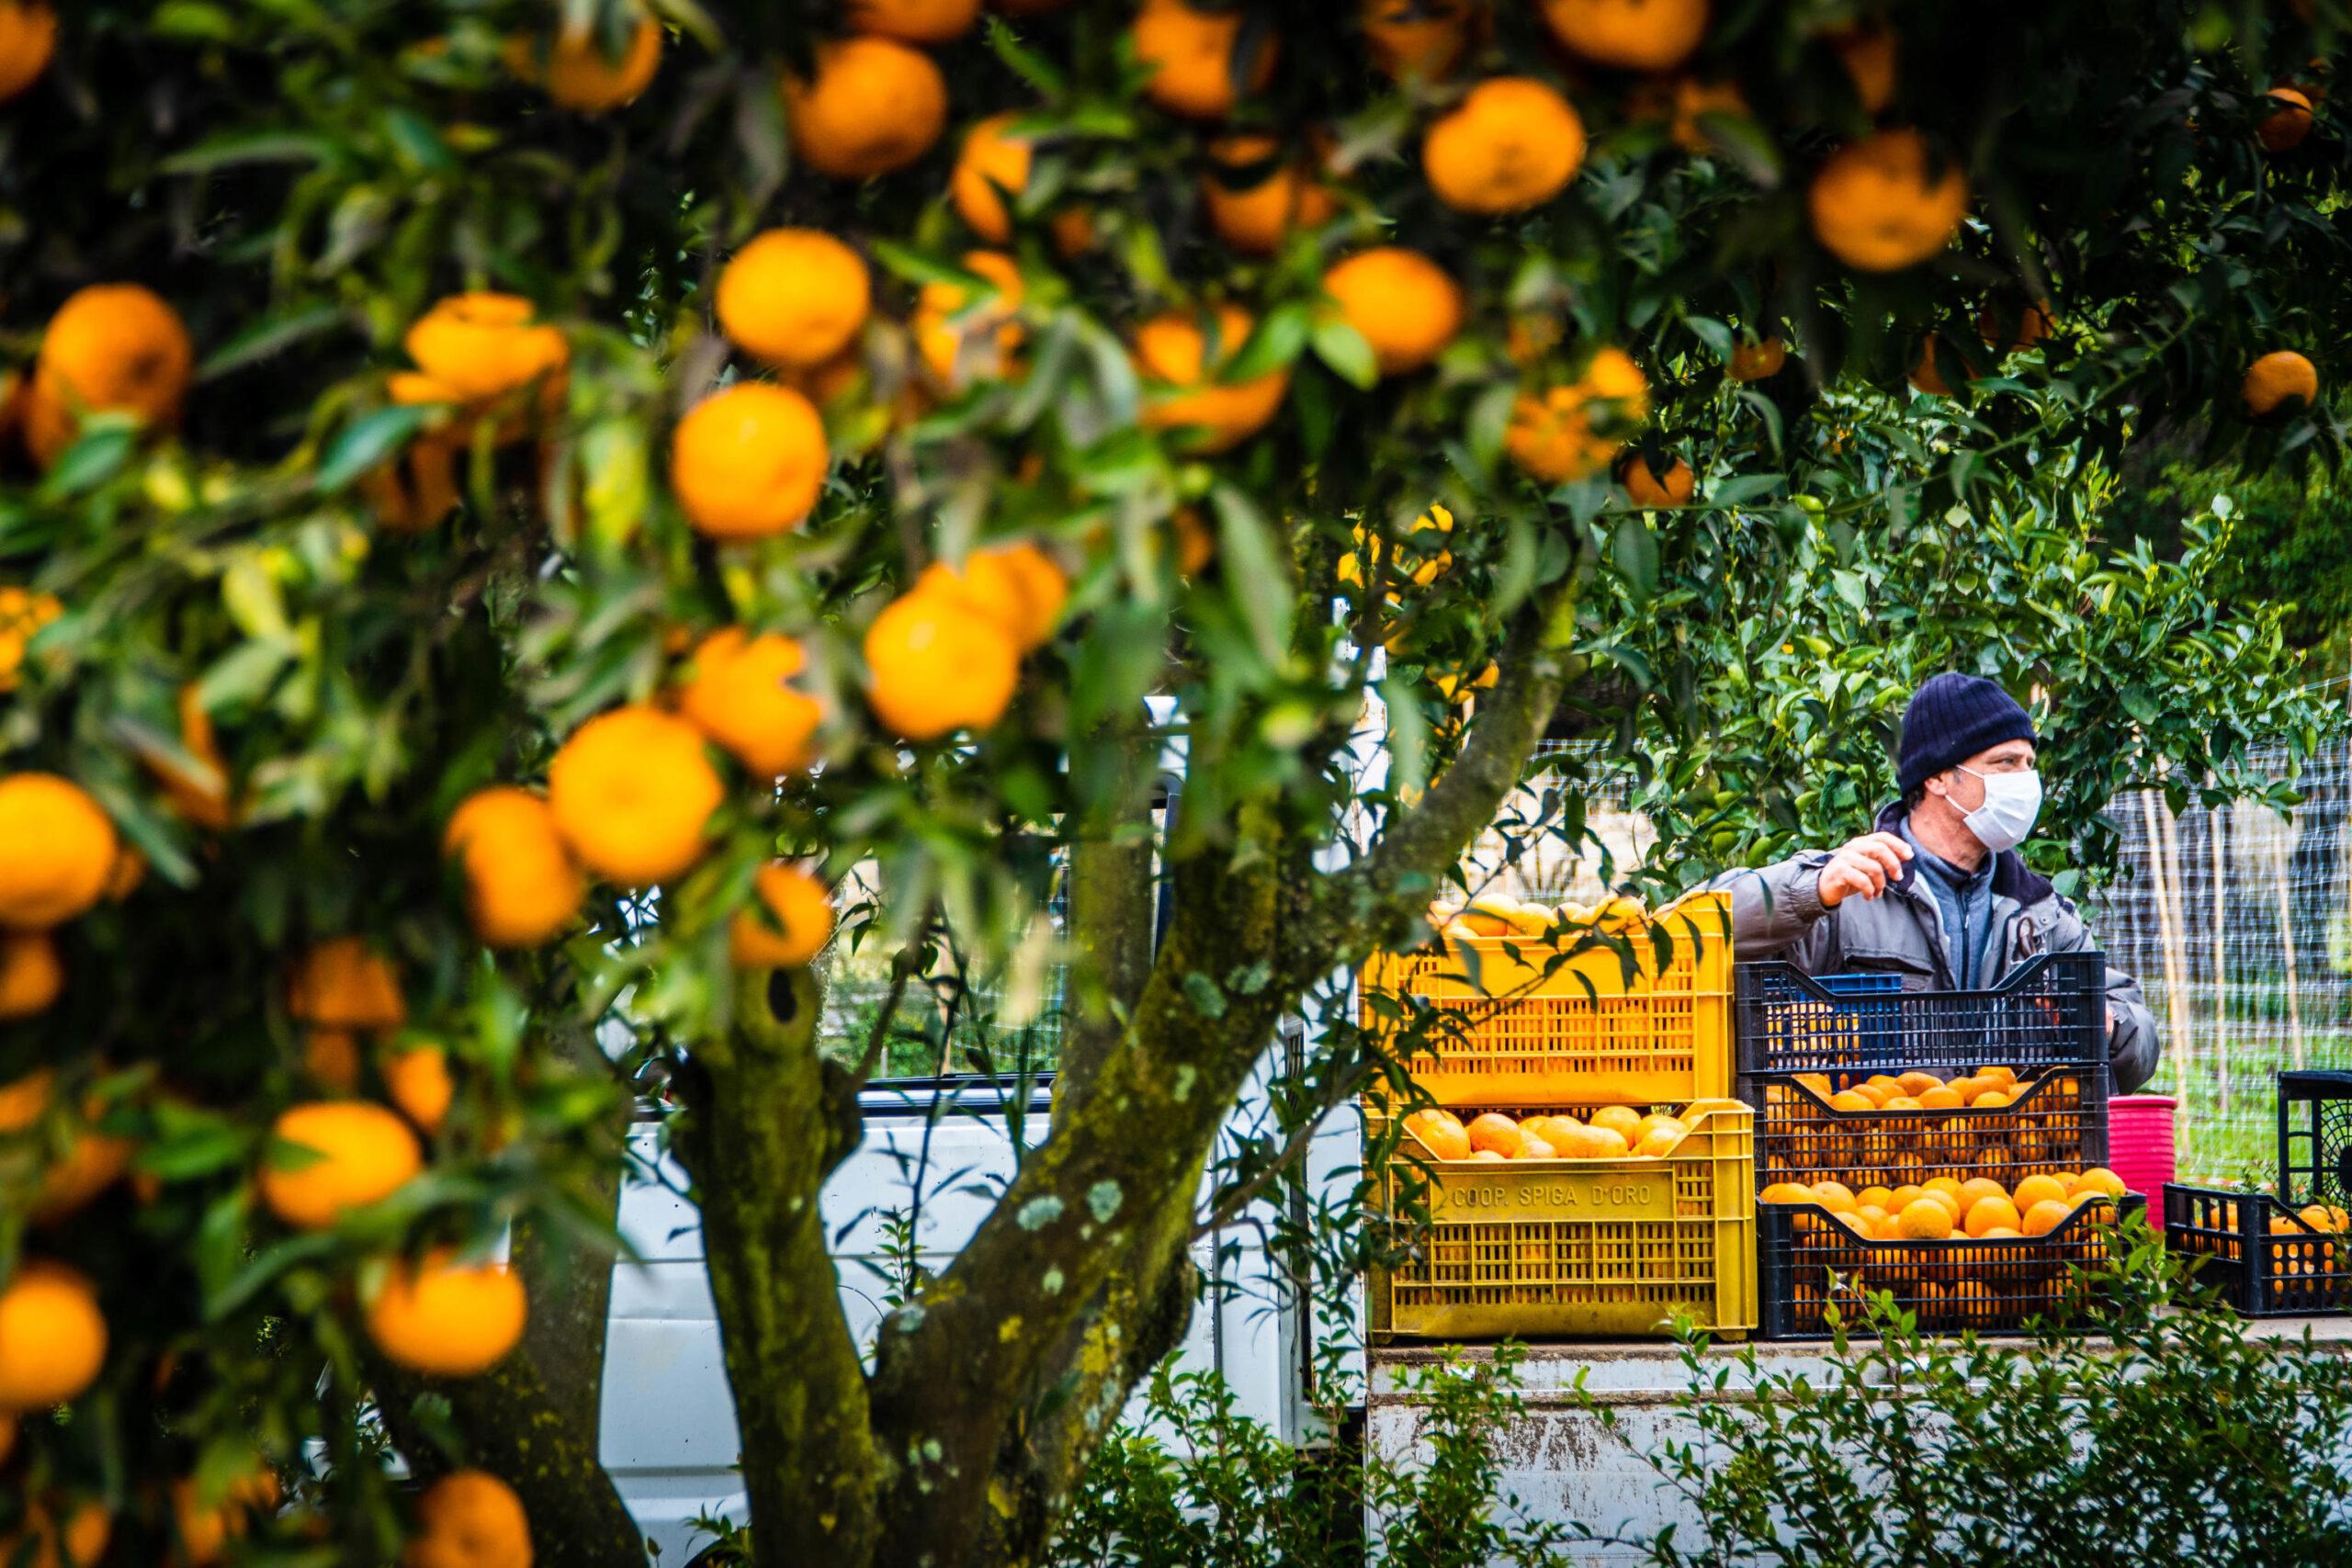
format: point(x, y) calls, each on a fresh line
point(1939, 893)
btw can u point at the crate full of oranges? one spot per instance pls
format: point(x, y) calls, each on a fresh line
point(2266, 1258)
point(1558, 1223)
point(1909, 1126)
point(1524, 1004)
point(1970, 1253)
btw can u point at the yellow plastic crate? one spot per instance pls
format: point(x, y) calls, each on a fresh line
point(1559, 1248)
point(1518, 1025)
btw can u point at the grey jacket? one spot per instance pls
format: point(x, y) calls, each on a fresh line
point(1777, 913)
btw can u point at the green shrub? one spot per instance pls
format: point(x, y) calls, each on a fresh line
point(2167, 1431)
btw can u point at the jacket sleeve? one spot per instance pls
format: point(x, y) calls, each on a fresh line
point(1776, 912)
point(2133, 1047)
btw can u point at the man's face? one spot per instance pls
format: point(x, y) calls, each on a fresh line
point(1965, 786)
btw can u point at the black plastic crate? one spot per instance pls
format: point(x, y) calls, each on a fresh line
point(2264, 1258)
point(2315, 1137)
point(1992, 1287)
point(2058, 1123)
point(2052, 1011)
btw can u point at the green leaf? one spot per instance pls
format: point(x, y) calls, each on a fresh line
point(250, 147)
point(1632, 550)
point(1256, 576)
point(1274, 346)
point(1343, 348)
point(272, 334)
point(369, 442)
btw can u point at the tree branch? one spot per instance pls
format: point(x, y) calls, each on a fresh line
point(1362, 906)
point(766, 1123)
point(1110, 911)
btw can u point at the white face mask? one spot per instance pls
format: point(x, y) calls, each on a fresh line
point(2012, 801)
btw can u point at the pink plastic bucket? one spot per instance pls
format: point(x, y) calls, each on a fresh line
point(2139, 1146)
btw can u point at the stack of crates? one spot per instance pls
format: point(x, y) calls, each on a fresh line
point(2287, 1254)
point(1549, 1248)
point(1806, 1044)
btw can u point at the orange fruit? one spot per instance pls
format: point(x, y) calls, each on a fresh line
point(1915, 1083)
point(343, 983)
point(2287, 123)
point(2046, 1215)
point(1785, 1192)
point(1496, 1132)
point(873, 106)
point(1425, 537)
point(1533, 1147)
point(1817, 1082)
point(353, 1153)
point(1441, 1134)
point(2322, 1217)
point(2097, 1180)
point(1016, 586)
point(912, 21)
point(1898, 1102)
point(53, 1336)
point(1620, 1118)
point(206, 1528)
point(1833, 1196)
point(578, 72)
point(111, 348)
point(1990, 1099)
point(1693, 100)
point(92, 1162)
point(331, 1056)
point(26, 1100)
point(794, 298)
point(1941, 1099)
point(1758, 360)
point(1255, 199)
point(22, 615)
point(1486, 1156)
point(199, 793)
point(991, 166)
point(1185, 379)
point(1661, 1140)
point(1924, 1219)
point(79, 1542)
point(1975, 1190)
point(1903, 1198)
point(2275, 377)
point(1592, 1142)
point(1851, 1099)
point(1646, 487)
point(1927, 371)
point(1869, 56)
point(1554, 437)
point(522, 884)
point(470, 1519)
point(2039, 1190)
point(790, 924)
point(936, 665)
point(1881, 205)
point(632, 792)
point(1512, 143)
point(2002, 1076)
point(1633, 35)
point(416, 1079)
point(1994, 1213)
point(2008, 327)
point(1943, 1184)
point(748, 461)
point(28, 38)
point(739, 695)
point(1189, 55)
point(1403, 303)
point(444, 1318)
point(966, 337)
point(1420, 38)
point(31, 979)
point(481, 347)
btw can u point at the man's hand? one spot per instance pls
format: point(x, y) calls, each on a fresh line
point(1864, 866)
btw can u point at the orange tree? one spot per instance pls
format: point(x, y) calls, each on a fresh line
point(508, 503)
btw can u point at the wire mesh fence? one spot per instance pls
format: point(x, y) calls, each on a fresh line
point(2238, 922)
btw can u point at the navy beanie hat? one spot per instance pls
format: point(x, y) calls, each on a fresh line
point(1950, 719)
